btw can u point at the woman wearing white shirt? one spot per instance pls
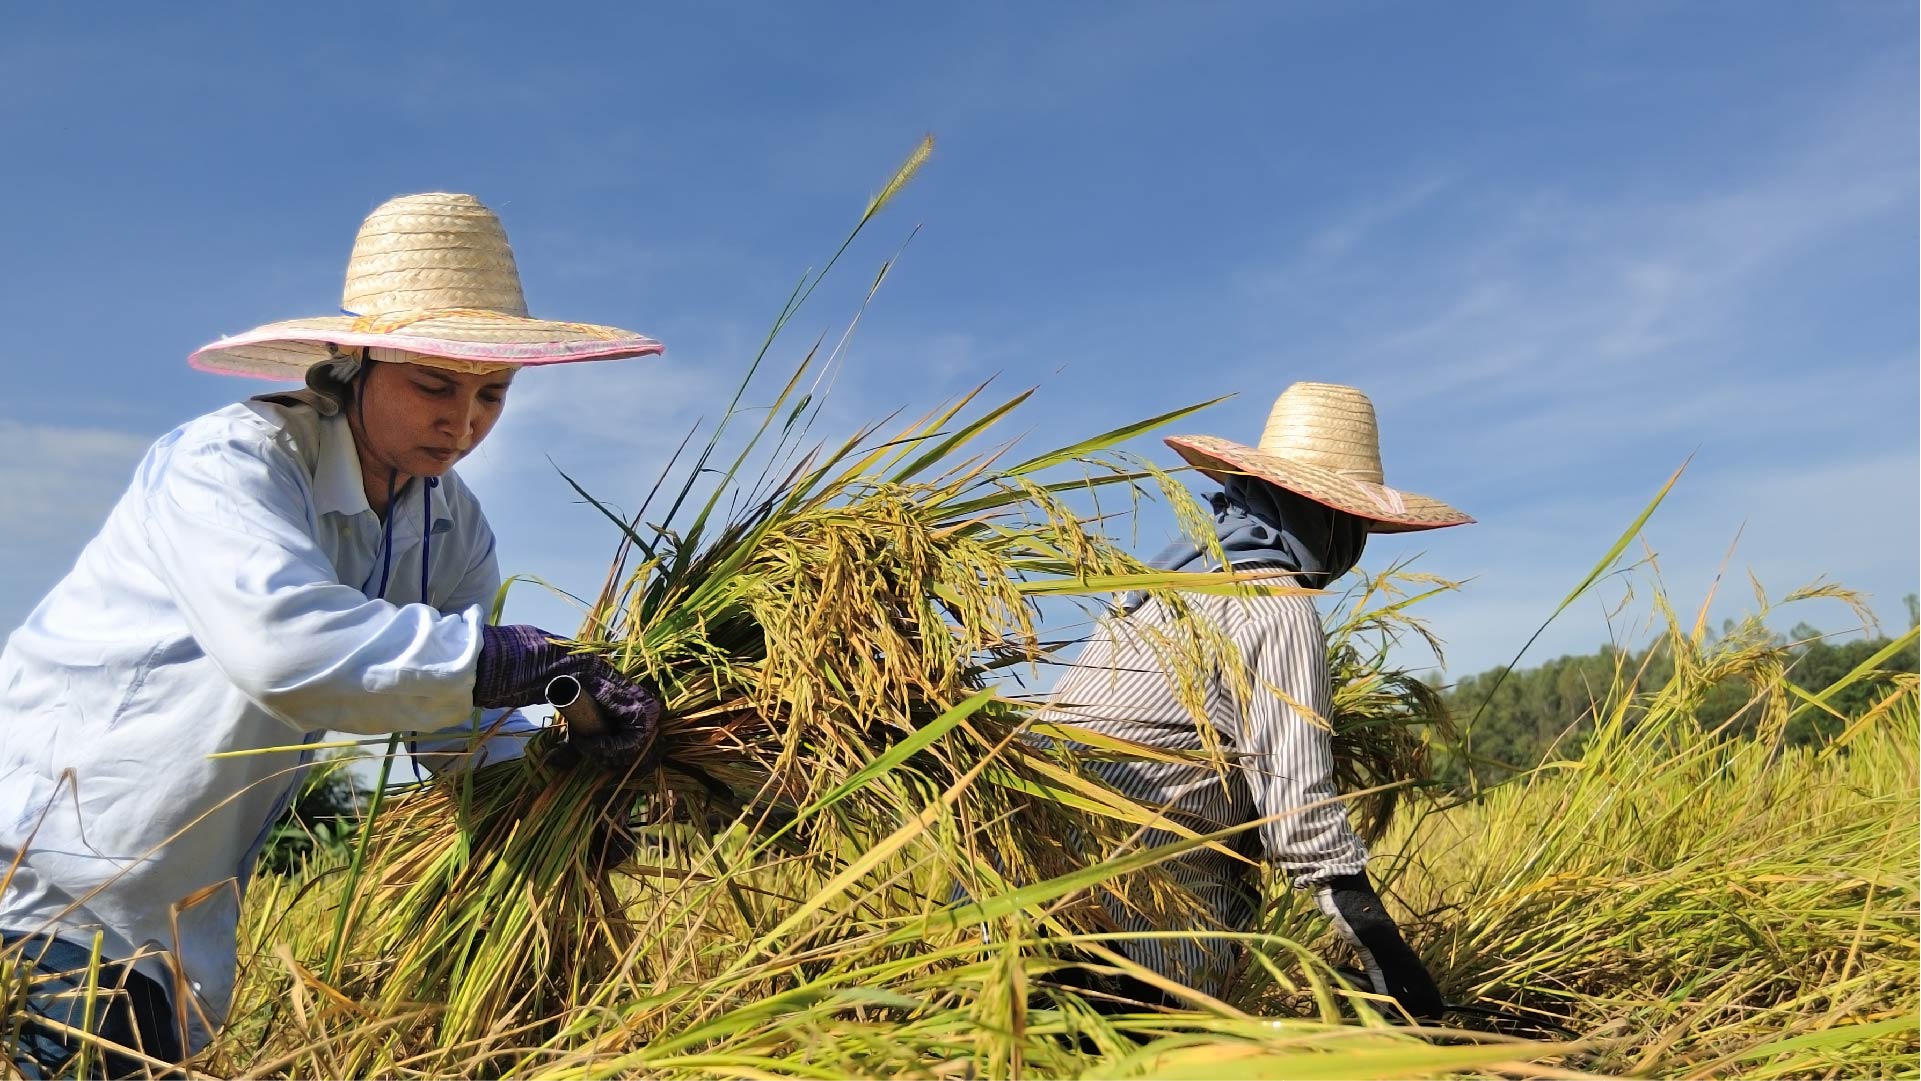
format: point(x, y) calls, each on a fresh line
point(295, 563)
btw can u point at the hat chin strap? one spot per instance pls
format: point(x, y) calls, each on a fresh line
point(1385, 499)
point(335, 380)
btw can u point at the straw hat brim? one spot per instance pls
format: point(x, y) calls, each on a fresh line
point(1388, 510)
point(286, 350)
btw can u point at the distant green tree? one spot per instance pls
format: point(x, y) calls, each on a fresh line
point(1549, 710)
point(1822, 664)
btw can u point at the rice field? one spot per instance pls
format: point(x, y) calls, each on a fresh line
point(1671, 904)
point(846, 859)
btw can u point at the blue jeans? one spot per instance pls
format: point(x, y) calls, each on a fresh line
point(128, 1009)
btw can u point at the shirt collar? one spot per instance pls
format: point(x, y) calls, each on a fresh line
point(406, 509)
point(338, 487)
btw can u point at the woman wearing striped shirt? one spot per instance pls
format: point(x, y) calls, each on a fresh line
point(1300, 506)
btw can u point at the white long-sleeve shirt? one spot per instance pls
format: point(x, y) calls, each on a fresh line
point(231, 602)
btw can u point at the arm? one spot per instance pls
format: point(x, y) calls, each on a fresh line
point(1290, 764)
point(228, 523)
point(1286, 747)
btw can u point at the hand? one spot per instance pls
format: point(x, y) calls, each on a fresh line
point(518, 661)
point(1392, 966)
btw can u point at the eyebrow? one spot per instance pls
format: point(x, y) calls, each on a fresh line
point(445, 380)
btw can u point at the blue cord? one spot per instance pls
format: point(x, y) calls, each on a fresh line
point(426, 538)
point(426, 534)
point(387, 539)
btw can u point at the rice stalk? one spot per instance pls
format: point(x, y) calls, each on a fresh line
point(1734, 903)
point(846, 614)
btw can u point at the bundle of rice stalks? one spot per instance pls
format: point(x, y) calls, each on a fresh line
point(812, 657)
point(822, 654)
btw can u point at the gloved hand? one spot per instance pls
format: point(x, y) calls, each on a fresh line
point(516, 663)
point(1393, 966)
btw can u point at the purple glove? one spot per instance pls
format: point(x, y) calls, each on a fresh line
point(518, 661)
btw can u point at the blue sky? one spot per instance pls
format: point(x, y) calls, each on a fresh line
point(1563, 247)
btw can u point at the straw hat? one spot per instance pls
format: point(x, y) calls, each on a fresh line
point(1321, 441)
point(431, 280)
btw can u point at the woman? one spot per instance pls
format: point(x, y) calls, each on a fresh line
point(1300, 506)
point(295, 563)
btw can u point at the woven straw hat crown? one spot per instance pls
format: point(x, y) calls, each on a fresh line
point(1326, 425)
point(431, 280)
point(432, 252)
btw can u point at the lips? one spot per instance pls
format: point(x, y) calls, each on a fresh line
point(440, 455)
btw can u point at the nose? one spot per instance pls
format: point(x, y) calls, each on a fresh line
point(465, 417)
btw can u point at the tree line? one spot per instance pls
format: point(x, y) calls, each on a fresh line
point(1549, 710)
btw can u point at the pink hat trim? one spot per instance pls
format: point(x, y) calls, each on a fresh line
point(528, 353)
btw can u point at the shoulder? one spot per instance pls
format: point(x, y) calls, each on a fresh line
point(253, 424)
point(1282, 613)
point(235, 445)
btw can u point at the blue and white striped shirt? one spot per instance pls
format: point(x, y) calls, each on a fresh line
point(1267, 704)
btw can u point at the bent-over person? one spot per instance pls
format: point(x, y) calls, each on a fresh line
point(1299, 507)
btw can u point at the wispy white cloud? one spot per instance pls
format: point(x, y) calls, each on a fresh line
point(1326, 252)
point(57, 480)
point(56, 486)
